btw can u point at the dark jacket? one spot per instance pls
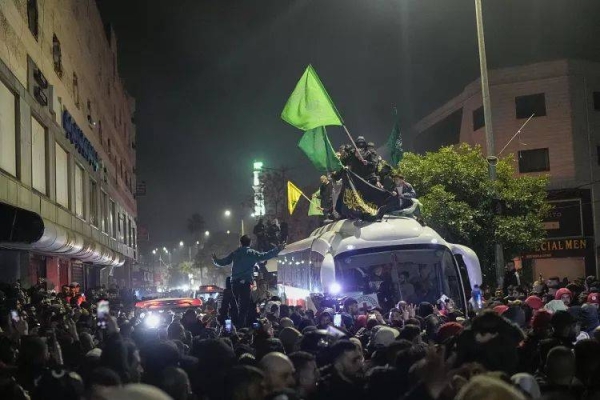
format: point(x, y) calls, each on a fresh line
point(333, 387)
point(325, 194)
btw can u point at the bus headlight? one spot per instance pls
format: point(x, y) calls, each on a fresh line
point(335, 288)
point(152, 321)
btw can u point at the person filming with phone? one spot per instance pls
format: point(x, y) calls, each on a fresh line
point(243, 260)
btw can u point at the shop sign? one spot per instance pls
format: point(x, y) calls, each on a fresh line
point(564, 219)
point(78, 139)
point(556, 248)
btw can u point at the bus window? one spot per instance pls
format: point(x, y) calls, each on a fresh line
point(462, 268)
point(415, 274)
point(316, 259)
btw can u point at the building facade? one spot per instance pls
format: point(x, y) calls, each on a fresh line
point(561, 140)
point(67, 148)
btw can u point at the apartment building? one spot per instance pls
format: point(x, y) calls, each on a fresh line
point(67, 147)
point(562, 140)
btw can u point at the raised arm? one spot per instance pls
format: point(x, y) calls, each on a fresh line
point(221, 262)
point(269, 254)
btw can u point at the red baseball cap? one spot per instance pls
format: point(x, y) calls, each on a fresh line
point(560, 292)
point(593, 298)
point(534, 302)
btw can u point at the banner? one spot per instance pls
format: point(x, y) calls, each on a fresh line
point(294, 195)
point(394, 143)
point(317, 147)
point(358, 198)
point(315, 205)
point(309, 105)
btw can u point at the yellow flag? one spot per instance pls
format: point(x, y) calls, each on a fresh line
point(293, 196)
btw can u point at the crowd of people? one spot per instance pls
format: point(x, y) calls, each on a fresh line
point(525, 343)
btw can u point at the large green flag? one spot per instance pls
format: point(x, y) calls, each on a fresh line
point(315, 205)
point(394, 143)
point(309, 105)
point(317, 147)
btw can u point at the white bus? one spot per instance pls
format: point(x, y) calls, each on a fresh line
point(385, 262)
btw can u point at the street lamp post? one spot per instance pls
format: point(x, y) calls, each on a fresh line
point(489, 132)
point(227, 214)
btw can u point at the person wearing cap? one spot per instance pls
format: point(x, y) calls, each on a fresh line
point(534, 302)
point(243, 260)
point(593, 299)
point(448, 331)
point(564, 295)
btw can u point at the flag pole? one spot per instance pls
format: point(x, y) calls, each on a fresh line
point(309, 200)
point(354, 144)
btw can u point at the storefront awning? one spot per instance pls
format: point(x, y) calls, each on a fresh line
point(25, 230)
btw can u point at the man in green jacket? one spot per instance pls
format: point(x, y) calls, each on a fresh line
point(242, 273)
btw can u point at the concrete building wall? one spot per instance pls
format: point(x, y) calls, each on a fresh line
point(82, 80)
point(570, 129)
point(89, 52)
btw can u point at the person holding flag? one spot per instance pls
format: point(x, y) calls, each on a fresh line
point(401, 197)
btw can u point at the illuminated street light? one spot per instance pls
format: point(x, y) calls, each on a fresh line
point(227, 213)
point(165, 249)
point(181, 244)
point(153, 251)
point(206, 233)
point(197, 243)
point(228, 232)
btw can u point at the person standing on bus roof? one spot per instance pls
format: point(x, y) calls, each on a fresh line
point(243, 260)
point(325, 194)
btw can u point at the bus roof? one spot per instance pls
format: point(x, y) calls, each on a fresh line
point(348, 235)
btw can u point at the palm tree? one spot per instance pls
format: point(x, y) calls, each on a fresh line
point(195, 225)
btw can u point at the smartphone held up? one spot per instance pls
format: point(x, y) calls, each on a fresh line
point(102, 313)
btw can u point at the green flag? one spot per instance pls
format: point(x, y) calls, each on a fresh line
point(394, 143)
point(317, 147)
point(315, 205)
point(309, 105)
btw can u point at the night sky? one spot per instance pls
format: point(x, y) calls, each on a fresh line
point(211, 78)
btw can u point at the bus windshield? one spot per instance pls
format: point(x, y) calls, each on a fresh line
point(414, 273)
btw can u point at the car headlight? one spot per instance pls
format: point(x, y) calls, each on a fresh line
point(152, 321)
